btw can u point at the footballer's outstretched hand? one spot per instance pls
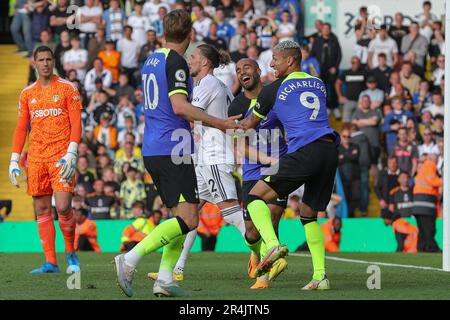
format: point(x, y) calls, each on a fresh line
point(231, 123)
point(14, 169)
point(68, 162)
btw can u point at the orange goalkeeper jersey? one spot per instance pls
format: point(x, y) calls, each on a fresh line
point(54, 115)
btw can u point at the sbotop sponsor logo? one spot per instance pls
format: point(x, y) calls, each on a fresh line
point(248, 147)
point(42, 113)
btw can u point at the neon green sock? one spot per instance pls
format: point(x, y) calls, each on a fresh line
point(171, 253)
point(263, 250)
point(255, 247)
point(315, 240)
point(160, 236)
point(262, 218)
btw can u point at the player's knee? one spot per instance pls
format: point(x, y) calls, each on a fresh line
point(63, 208)
point(251, 233)
point(307, 212)
point(187, 223)
point(306, 220)
point(41, 208)
point(251, 198)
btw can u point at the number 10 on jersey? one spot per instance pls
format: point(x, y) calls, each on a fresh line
point(151, 92)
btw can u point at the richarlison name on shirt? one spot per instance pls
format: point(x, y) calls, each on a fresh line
point(305, 84)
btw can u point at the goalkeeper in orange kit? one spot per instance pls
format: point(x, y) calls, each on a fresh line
point(51, 106)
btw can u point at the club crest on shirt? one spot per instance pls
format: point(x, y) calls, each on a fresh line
point(180, 75)
point(55, 98)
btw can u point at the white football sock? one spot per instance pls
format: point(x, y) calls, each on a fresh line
point(235, 217)
point(188, 243)
point(165, 276)
point(132, 258)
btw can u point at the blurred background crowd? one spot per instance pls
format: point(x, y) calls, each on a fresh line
point(388, 106)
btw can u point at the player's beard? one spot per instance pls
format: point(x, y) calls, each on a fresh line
point(194, 72)
point(252, 84)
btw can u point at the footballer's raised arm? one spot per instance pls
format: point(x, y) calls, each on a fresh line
point(265, 102)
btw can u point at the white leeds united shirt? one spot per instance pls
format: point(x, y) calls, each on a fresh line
point(212, 145)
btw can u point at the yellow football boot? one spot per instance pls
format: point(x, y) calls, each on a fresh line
point(176, 276)
point(252, 263)
point(261, 283)
point(278, 267)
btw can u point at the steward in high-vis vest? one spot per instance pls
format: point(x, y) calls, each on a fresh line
point(331, 230)
point(85, 232)
point(406, 234)
point(426, 194)
point(139, 228)
point(209, 225)
point(332, 233)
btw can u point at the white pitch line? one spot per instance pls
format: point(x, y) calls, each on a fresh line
point(371, 262)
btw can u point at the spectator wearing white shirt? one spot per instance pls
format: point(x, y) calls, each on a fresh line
point(440, 161)
point(438, 104)
point(252, 53)
point(382, 43)
point(157, 25)
point(97, 72)
point(428, 146)
point(250, 12)
point(286, 29)
point(264, 60)
point(140, 25)
point(238, 16)
point(76, 58)
point(227, 74)
point(129, 54)
point(124, 108)
point(114, 20)
point(439, 73)
point(201, 25)
point(426, 19)
point(151, 7)
point(90, 15)
point(209, 9)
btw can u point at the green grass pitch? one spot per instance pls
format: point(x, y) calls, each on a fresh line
point(223, 276)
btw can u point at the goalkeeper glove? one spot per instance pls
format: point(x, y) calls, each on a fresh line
point(68, 162)
point(14, 169)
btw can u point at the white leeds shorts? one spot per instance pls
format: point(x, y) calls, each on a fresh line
point(216, 183)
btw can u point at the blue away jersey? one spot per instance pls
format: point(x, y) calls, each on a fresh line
point(164, 74)
point(299, 102)
point(243, 105)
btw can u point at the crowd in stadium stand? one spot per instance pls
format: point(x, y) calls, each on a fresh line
point(390, 101)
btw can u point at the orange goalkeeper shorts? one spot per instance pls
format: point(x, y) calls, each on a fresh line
point(43, 179)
